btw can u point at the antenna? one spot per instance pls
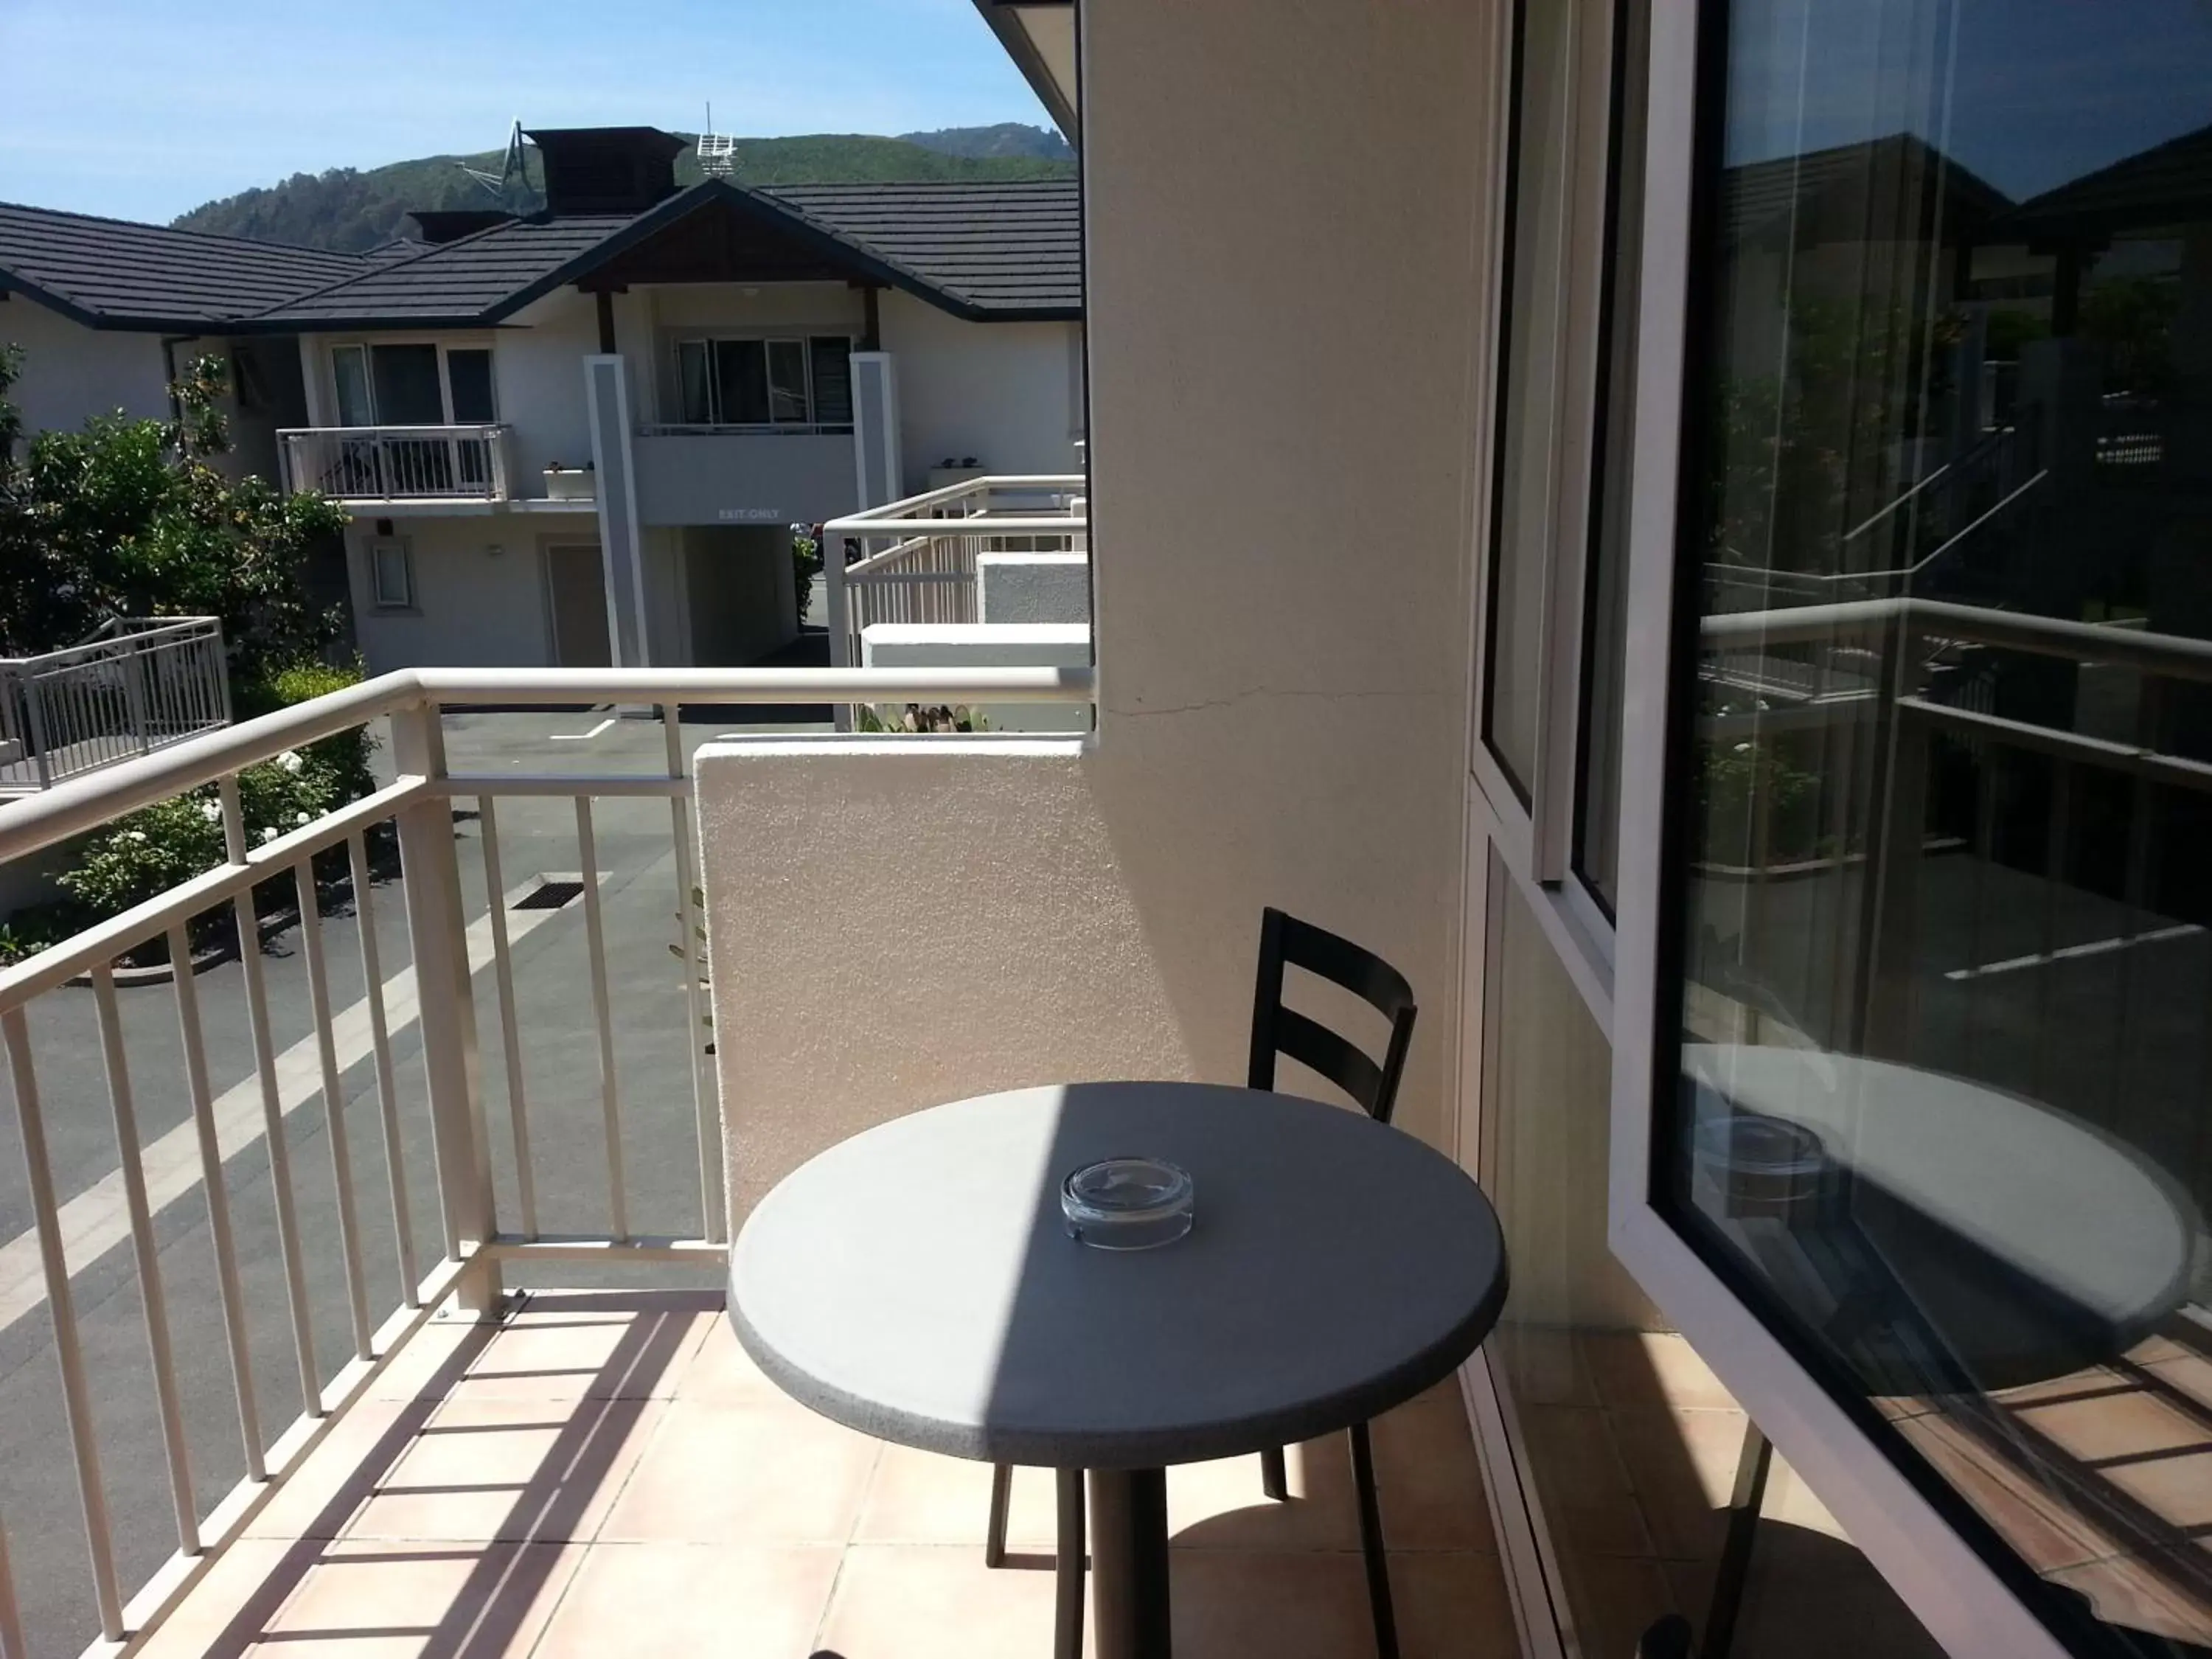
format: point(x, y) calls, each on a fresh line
point(510, 186)
point(718, 151)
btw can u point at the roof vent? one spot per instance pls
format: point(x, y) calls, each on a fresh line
point(451, 224)
point(607, 169)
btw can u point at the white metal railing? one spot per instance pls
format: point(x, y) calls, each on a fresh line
point(914, 561)
point(398, 463)
point(745, 429)
point(477, 1235)
point(136, 685)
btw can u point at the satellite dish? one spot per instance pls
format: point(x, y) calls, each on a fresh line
point(510, 186)
point(717, 151)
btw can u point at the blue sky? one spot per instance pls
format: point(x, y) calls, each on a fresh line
point(142, 110)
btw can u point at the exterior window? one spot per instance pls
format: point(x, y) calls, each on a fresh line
point(831, 364)
point(765, 382)
point(469, 387)
point(786, 381)
point(405, 379)
point(390, 576)
point(1939, 1091)
point(349, 374)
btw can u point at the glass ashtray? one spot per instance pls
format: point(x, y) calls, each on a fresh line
point(1127, 1203)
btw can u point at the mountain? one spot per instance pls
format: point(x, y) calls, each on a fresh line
point(1007, 139)
point(352, 210)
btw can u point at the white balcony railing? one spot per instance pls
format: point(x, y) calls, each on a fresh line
point(482, 1223)
point(136, 686)
point(399, 462)
point(914, 561)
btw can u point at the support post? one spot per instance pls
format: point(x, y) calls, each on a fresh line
point(437, 930)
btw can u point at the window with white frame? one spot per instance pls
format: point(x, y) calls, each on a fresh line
point(412, 382)
point(391, 575)
point(769, 381)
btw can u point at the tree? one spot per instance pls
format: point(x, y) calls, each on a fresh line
point(130, 518)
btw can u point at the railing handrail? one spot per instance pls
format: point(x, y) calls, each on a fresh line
point(2170, 654)
point(143, 632)
point(879, 521)
point(744, 430)
point(84, 804)
point(443, 428)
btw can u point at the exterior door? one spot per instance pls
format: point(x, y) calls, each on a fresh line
point(576, 596)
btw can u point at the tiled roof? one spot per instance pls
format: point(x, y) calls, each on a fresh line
point(1009, 246)
point(115, 272)
point(469, 280)
point(2167, 184)
point(979, 250)
point(1768, 197)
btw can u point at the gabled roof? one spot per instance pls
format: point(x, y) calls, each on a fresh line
point(2168, 183)
point(1829, 194)
point(112, 273)
point(982, 252)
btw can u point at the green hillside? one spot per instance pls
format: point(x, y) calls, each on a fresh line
point(350, 209)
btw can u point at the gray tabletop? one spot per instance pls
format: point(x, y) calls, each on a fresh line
point(917, 1282)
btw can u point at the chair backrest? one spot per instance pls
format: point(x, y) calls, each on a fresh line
point(1284, 940)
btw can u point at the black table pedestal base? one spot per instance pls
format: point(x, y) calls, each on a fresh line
point(1129, 1563)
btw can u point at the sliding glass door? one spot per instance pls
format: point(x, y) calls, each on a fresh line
point(1912, 1094)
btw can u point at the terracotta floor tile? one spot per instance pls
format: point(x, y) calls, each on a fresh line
point(1651, 1368)
point(1222, 1505)
point(615, 1346)
point(2118, 1424)
point(919, 1497)
point(2187, 1374)
point(1544, 1364)
point(430, 1361)
point(2043, 1533)
point(545, 1471)
point(1793, 1503)
point(1812, 1597)
point(2177, 1489)
point(2126, 1592)
point(404, 1600)
point(1614, 1599)
point(720, 1373)
point(1234, 1604)
point(318, 1498)
point(1429, 1480)
point(1450, 1606)
point(1682, 1466)
point(1582, 1483)
point(660, 1600)
point(232, 1603)
point(924, 1601)
point(746, 1474)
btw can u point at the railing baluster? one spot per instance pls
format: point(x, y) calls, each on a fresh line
point(380, 1043)
point(273, 1107)
point(326, 1053)
point(503, 962)
point(595, 942)
point(151, 1294)
point(218, 1201)
point(12, 1644)
point(76, 1400)
point(703, 1101)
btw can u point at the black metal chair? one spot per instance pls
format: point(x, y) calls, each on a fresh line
point(1284, 942)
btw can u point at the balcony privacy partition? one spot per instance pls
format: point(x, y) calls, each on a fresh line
point(484, 1208)
point(136, 686)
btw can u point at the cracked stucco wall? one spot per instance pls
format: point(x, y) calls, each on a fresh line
point(1286, 290)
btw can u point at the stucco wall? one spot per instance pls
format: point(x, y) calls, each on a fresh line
point(1282, 514)
point(1000, 392)
point(867, 963)
point(71, 372)
point(473, 608)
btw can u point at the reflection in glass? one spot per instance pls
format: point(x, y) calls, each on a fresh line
point(1945, 1094)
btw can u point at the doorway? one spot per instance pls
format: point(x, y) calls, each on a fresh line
point(576, 602)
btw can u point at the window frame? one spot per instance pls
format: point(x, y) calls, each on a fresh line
point(373, 553)
point(1907, 1528)
point(367, 345)
point(804, 341)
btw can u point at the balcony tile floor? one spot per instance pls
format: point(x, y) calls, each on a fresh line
point(605, 1475)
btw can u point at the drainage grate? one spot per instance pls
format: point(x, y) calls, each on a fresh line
point(550, 895)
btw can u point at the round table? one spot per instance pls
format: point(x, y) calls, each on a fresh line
point(917, 1283)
